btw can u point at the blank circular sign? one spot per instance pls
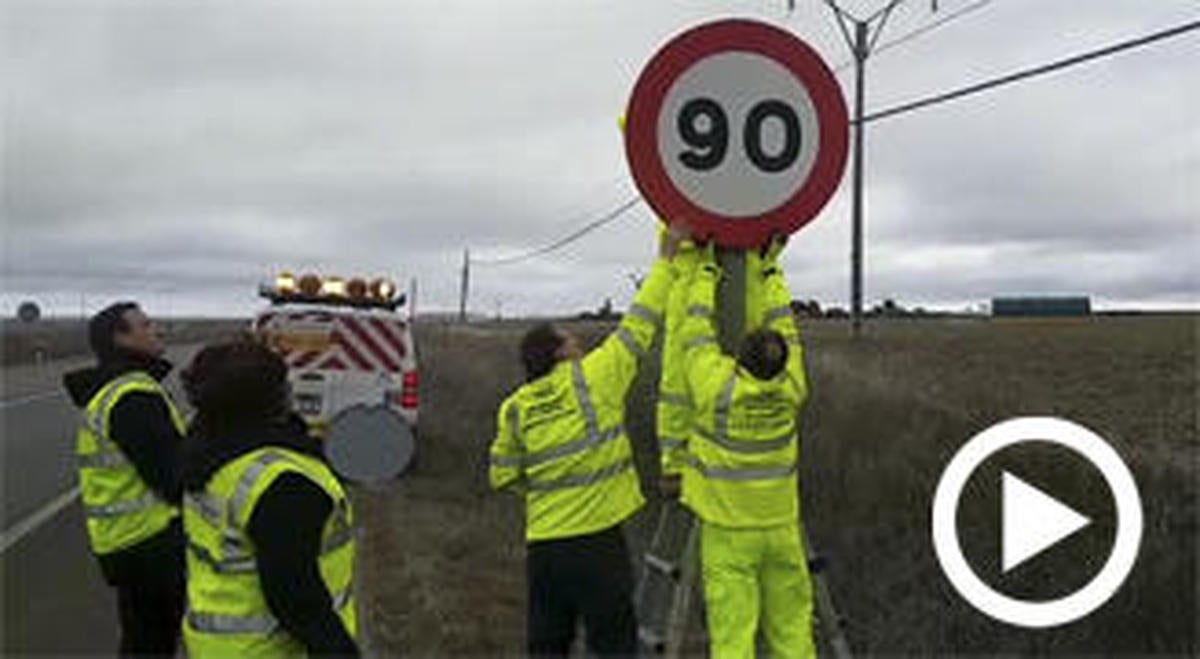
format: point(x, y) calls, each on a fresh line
point(369, 444)
point(29, 312)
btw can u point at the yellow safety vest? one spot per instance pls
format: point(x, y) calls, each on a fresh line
point(227, 612)
point(121, 510)
point(739, 462)
point(561, 439)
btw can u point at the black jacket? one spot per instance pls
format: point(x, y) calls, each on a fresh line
point(141, 426)
point(286, 526)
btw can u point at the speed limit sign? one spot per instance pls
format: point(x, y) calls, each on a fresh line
point(737, 129)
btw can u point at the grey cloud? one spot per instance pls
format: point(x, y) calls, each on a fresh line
point(196, 147)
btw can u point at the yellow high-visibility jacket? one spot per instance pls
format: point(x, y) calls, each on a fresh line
point(227, 612)
point(561, 439)
point(739, 463)
point(121, 510)
point(674, 410)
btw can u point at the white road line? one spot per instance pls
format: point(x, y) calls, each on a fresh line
point(21, 400)
point(30, 524)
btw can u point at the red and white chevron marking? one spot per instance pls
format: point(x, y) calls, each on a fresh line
point(357, 343)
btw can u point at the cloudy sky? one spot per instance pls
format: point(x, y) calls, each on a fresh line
point(179, 152)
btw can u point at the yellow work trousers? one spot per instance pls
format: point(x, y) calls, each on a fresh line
point(756, 573)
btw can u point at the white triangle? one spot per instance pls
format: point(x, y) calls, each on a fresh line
point(1032, 521)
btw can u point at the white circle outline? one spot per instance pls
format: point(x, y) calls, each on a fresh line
point(1026, 613)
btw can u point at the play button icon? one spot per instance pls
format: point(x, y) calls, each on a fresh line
point(1033, 521)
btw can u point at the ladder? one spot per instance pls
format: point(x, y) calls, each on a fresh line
point(668, 580)
point(667, 588)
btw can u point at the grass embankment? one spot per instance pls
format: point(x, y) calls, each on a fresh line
point(444, 570)
point(889, 411)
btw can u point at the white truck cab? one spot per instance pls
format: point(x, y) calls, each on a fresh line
point(345, 345)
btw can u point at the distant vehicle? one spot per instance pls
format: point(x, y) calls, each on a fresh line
point(345, 345)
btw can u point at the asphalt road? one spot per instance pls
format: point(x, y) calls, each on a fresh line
point(55, 600)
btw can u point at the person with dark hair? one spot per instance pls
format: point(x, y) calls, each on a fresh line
point(126, 452)
point(561, 444)
point(738, 466)
point(270, 545)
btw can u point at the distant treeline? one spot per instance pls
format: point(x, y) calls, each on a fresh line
point(56, 338)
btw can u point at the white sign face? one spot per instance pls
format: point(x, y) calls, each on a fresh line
point(738, 134)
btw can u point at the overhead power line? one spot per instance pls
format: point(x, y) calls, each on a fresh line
point(1032, 72)
point(919, 31)
point(599, 222)
point(933, 25)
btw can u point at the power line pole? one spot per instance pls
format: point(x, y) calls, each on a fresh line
point(412, 300)
point(466, 277)
point(866, 34)
point(856, 241)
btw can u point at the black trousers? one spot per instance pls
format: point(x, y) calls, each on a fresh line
point(586, 577)
point(151, 614)
point(151, 591)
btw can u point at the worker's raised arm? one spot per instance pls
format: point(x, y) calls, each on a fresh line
point(778, 316)
point(673, 413)
point(614, 364)
point(707, 366)
point(504, 455)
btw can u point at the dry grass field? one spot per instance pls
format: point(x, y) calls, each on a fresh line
point(443, 568)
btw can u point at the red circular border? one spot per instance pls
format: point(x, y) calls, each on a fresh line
point(641, 134)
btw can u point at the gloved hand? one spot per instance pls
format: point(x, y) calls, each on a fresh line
point(773, 249)
point(671, 239)
point(708, 256)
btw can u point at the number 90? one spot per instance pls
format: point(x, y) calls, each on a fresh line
point(711, 142)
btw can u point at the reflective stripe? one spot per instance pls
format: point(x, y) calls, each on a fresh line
point(232, 565)
point(645, 313)
point(514, 432)
point(504, 461)
point(700, 311)
point(743, 474)
point(631, 343)
point(340, 600)
point(206, 506)
point(572, 447)
point(102, 460)
point(776, 313)
point(747, 446)
point(580, 480)
point(114, 389)
point(242, 562)
point(671, 443)
point(585, 399)
point(119, 508)
point(674, 399)
point(514, 423)
point(724, 402)
point(241, 492)
point(697, 342)
point(216, 623)
point(338, 539)
point(237, 557)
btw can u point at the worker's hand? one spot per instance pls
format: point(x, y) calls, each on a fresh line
point(771, 251)
point(669, 485)
point(671, 240)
